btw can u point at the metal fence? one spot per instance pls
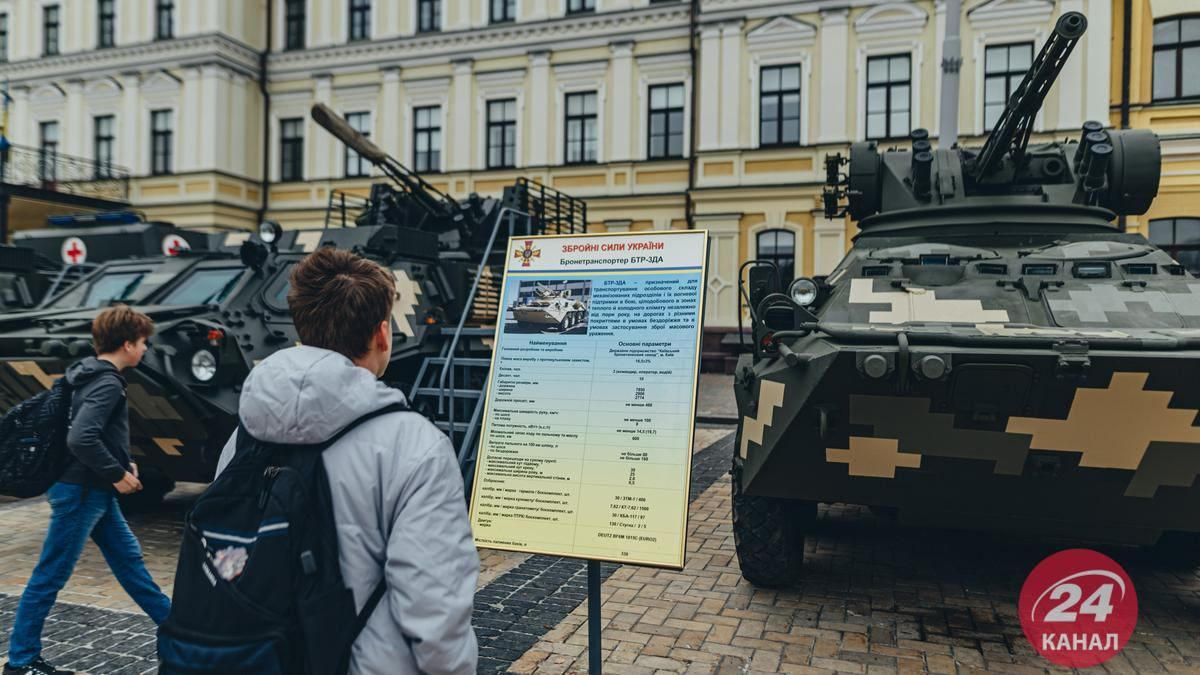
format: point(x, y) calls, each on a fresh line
point(49, 169)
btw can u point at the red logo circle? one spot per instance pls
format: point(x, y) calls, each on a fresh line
point(1078, 608)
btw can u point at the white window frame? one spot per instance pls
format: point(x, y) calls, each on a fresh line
point(777, 220)
point(497, 86)
point(161, 91)
point(659, 70)
point(281, 25)
point(781, 44)
point(1000, 36)
point(580, 79)
point(287, 106)
point(423, 94)
point(372, 34)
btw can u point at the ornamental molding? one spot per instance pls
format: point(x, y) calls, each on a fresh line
point(506, 39)
point(782, 31)
point(998, 13)
point(893, 19)
point(211, 49)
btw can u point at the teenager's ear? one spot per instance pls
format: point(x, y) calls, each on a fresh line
point(383, 333)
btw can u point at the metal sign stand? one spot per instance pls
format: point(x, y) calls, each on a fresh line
point(594, 617)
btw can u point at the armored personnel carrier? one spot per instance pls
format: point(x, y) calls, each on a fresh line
point(993, 352)
point(220, 311)
point(550, 308)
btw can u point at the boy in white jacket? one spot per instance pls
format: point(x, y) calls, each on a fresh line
point(397, 492)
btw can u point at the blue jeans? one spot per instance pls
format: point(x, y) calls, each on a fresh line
point(74, 516)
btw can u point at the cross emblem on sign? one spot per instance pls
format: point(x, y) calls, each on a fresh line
point(74, 251)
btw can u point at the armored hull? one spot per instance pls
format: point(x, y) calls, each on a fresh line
point(992, 353)
point(990, 387)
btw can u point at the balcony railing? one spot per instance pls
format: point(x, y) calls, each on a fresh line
point(54, 171)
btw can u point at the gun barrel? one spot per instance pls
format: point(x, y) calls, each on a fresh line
point(336, 125)
point(1011, 133)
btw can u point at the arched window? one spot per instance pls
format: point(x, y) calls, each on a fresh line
point(1177, 58)
point(1180, 237)
point(779, 247)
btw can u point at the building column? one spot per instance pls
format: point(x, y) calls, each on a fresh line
point(710, 88)
point(323, 157)
point(237, 159)
point(622, 98)
point(1071, 83)
point(721, 304)
point(459, 138)
point(19, 118)
point(390, 130)
point(1098, 40)
point(539, 122)
point(534, 10)
point(829, 242)
point(75, 130)
point(189, 139)
point(834, 77)
point(731, 84)
point(214, 125)
point(129, 143)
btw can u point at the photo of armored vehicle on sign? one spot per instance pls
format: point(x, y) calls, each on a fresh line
point(992, 353)
point(548, 308)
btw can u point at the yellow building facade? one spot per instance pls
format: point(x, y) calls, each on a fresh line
point(1156, 85)
point(714, 114)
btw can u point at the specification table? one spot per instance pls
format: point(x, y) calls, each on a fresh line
point(587, 436)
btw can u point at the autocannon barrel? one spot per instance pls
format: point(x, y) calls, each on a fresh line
point(1011, 133)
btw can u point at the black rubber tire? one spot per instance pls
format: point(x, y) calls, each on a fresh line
point(1178, 550)
point(768, 536)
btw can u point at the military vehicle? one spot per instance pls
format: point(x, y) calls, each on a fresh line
point(42, 262)
point(992, 353)
point(550, 308)
point(218, 312)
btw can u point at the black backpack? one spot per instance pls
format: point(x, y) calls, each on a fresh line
point(33, 442)
point(258, 587)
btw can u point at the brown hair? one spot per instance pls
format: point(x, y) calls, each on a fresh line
point(338, 300)
point(119, 324)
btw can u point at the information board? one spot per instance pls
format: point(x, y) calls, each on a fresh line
point(586, 444)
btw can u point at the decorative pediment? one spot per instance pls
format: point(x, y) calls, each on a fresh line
point(105, 87)
point(893, 18)
point(161, 81)
point(782, 30)
point(999, 12)
point(47, 93)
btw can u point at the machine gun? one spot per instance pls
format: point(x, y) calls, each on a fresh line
point(1115, 170)
point(1012, 130)
point(434, 210)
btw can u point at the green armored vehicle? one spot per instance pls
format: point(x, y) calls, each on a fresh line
point(993, 352)
point(218, 312)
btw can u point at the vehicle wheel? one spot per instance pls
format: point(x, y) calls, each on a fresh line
point(562, 325)
point(768, 534)
point(155, 486)
point(1180, 550)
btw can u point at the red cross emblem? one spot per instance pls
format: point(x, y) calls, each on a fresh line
point(173, 244)
point(527, 254)
point(74, 251)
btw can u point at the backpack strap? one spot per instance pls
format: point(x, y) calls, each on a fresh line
point(387, 409)
point(372, 602)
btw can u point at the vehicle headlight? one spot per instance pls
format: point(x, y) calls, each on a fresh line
point(269, 231)
point(204, 365)
point(804, 291)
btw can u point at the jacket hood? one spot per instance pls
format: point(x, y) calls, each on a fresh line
point(305, 395)
point(88, 369)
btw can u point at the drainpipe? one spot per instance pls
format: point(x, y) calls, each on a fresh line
point(266, 118)
point(1126, 55)
point(693, 27)
point(951, 63)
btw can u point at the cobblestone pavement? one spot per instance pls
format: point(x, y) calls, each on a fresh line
point(876, 598)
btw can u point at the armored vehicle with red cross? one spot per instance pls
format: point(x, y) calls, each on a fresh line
point(220, 309)
point(994, 352)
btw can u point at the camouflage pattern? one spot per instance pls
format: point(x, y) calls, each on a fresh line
point(179, 424)
point(992, 353)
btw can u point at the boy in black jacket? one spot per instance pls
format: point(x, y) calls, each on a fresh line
point(83, 502)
